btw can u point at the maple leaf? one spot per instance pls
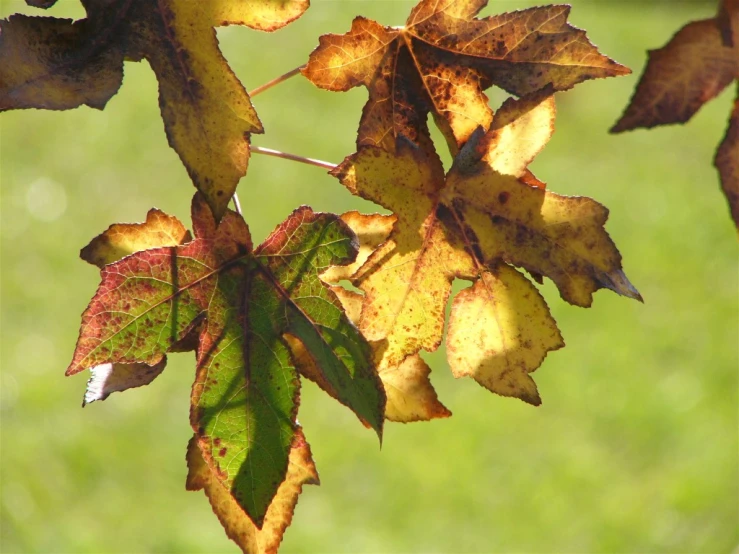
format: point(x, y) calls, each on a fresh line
point(470, 224)
point(251, 539)
point(442, 60)
point(61, 64)
point(698, 62)
point(242, 300)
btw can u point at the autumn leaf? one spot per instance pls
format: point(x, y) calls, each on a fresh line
point(443, 58)
point(61, 64)
point(473, 224)
point(251, 539)
point(117, 242)
point(109, 378)
point(123, 239)
point(727, 161)
point(695, 66)
point(245, 396)
point(410, 395)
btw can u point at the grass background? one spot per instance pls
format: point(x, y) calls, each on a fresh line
point(635, 449)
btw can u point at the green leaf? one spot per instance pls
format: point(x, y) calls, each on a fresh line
point(246, 391)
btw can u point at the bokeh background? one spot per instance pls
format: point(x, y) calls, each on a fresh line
point(635, 449)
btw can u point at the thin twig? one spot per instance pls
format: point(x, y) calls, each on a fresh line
point(276, 81)
point(293, 157)
point(237, 204)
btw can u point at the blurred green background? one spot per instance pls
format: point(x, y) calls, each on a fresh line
point(635, 449)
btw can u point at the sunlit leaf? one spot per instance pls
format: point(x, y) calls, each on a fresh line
point(251, 539)
point(245, 396)
point(469, 224)
point(443, 59)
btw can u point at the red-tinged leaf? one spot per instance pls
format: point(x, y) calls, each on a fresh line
point(208, 117)
point(245, 396)
point(441, 61)
point(251, 539)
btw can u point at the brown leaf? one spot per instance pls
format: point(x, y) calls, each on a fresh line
point(728, 22)
point(727, 162)
point(55, 64)
point(300, 471)
point(443, 59)
point(700, 61)
point(694, 67)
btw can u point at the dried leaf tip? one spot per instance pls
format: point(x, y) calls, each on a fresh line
point(620, 284)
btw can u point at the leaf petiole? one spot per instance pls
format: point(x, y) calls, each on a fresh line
point(275, 81)
point(237, 204)
point(293, 157)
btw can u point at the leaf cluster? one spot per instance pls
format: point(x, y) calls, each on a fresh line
point(259, 319)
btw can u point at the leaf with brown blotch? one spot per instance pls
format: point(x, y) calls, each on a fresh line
point(61, 64)
point(443, 59)
point(727, 162)
point(410, 395)
point(251, 539)
point(469, 224)
point(242, 301)
point(699, 62)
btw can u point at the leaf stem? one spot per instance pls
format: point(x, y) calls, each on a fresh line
point(237, 204)
point(293, 157)
point(275, 81)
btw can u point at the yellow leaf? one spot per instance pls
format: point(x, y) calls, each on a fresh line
point(123, 239)
point(500, 330)
point(372, 230)
point(487, 211)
